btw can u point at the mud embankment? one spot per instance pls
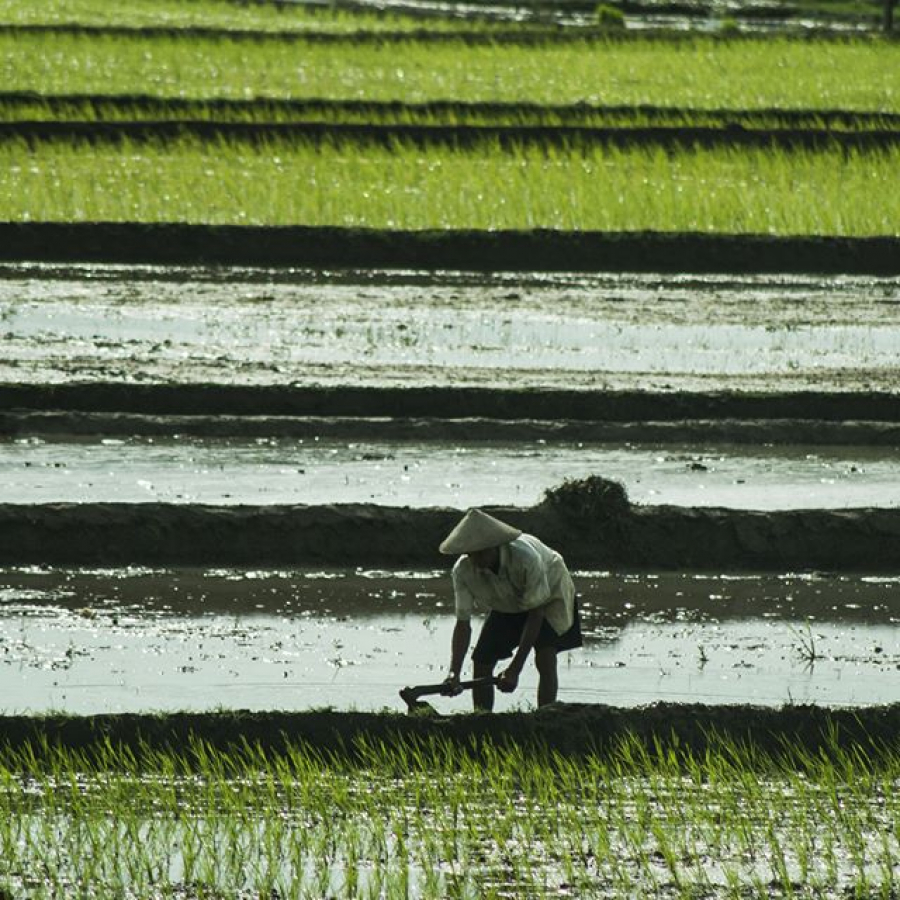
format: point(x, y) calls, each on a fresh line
point(574, 24)
point(570, 729)
point(776, 432)
point(506, 137)
point(512, 404)
point(106, 107)
point(589, 535)
point(483, 251)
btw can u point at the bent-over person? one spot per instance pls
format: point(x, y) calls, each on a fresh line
point(530, 598)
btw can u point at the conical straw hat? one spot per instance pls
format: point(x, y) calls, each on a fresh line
point(478, 531)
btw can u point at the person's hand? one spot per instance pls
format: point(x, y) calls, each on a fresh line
point(451, 685)
point(508, 680)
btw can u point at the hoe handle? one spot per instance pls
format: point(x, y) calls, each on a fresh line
point(412, 694)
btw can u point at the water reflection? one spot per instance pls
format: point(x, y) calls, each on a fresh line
point(136, 640)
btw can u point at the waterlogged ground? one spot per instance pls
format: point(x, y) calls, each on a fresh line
point(438, 473)
point(251, 326)
point(505, 827)
point(427, 826)
point(138, 640)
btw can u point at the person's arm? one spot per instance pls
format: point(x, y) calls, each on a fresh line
point(509, 677)
point(459, 644)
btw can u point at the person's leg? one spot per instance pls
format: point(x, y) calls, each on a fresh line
point(483, 695)
point(499, 637)
point(548, 681)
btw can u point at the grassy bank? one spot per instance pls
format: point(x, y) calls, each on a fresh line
point(431, 820)
point(764, 192)
point(703, 73)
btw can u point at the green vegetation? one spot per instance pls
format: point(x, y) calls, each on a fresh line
point(610, 17)
point(603, 82)
point(703, 73)
point(738, 191)
point(271, 16)
point(222, 14)
point(432, 821)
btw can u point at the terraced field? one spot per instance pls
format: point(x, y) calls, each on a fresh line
point(283, 289)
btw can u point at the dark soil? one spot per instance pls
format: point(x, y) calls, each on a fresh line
point(530, 32)
point(435, 403)
point(565, 728)
point(507, 137)
point(121, 106)
point(791, 432)
point(598, 531)
point(515, 251)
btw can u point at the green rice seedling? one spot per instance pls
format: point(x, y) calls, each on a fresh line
point(214, 14)
point(700, 73)
point(233, 818)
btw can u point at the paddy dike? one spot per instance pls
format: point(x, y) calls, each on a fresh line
point(590, 521)
point(30, 105)
point(569, 729)
point(483, 251)
point(507, 137)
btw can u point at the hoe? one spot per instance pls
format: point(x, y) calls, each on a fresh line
point(411, 695)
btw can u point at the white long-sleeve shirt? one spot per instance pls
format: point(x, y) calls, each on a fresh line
point(530, 575)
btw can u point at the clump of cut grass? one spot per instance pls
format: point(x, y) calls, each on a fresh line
point(827, 192)
point(588, 498)
point(609, 17)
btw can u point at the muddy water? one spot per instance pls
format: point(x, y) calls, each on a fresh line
point(245, 326)
point(137, 640)
point(422, 473)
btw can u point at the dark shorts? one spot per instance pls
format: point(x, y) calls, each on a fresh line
point(501, 633)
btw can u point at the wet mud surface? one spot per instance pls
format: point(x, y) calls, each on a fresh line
point(186, 244)
point(865, 439)
point(419, 473)
point(128, 641)
point(157, 332)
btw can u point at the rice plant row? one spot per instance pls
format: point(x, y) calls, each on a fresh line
point(827, 192)
point(262, 17)
point(861, 75)
point(429, 820)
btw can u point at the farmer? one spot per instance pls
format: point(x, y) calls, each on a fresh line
point(531, 601)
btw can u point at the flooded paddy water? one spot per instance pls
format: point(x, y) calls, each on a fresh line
point(112, 640)
point(438, 473)
point(263, 327)
point(102, 641)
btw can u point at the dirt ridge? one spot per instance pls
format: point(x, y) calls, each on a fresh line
point(569, 729)
point(483, 251)
point(548, 405)
point(527, 35)
point(508, 137)
point(593, 531)
point(816, 432)
point(568, 113)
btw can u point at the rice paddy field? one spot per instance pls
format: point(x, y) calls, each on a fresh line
point(489, 156)
point(223, 480)
point(430, 821)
